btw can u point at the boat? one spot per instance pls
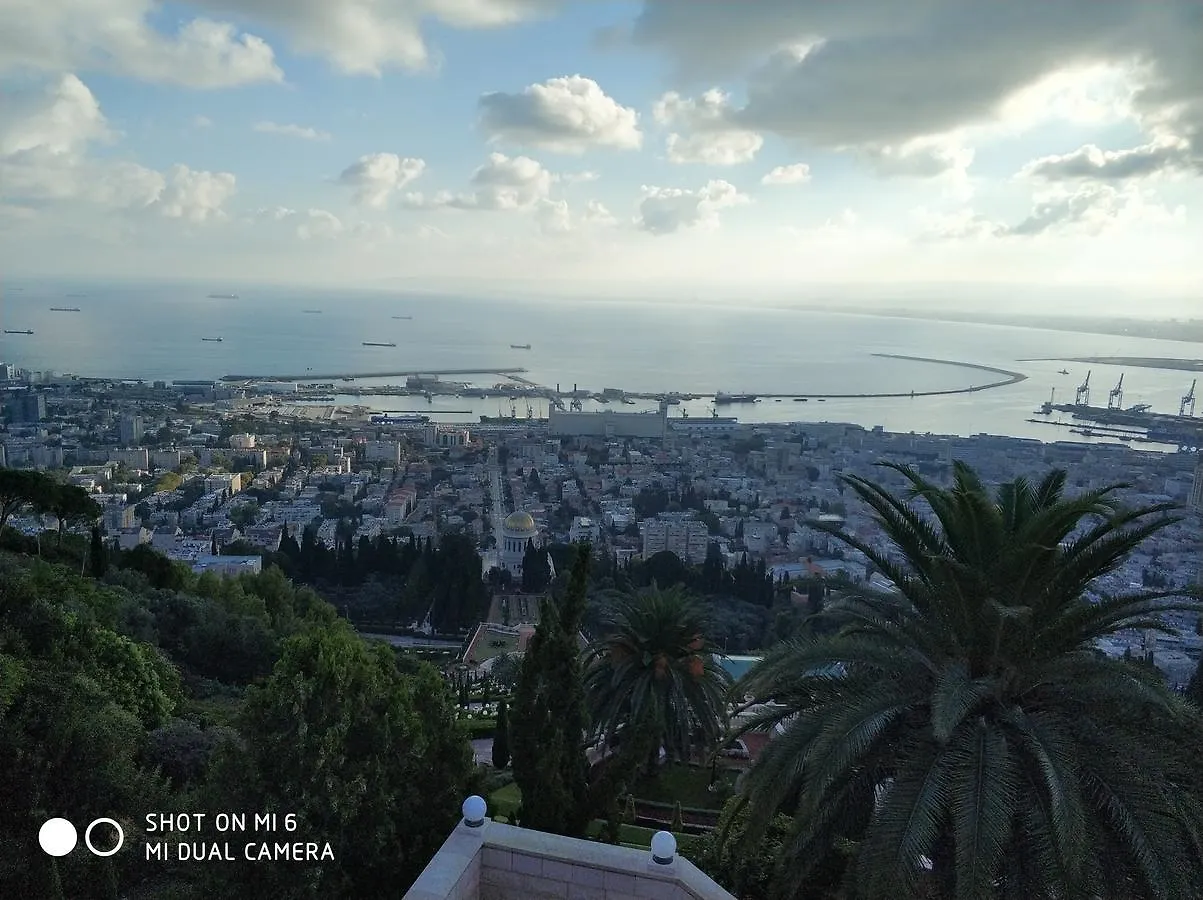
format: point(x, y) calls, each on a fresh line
point(403, 318)
point(720, 397)
point(400, 420)
point(801, 399)
point(223, 296)
point(27, 331)
point(64, 309)
point(379, 344)
point(1063, 372)
point(312, 312)
point(519, 346)
point(212, 340)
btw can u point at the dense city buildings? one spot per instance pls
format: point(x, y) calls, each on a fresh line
point(208, 474)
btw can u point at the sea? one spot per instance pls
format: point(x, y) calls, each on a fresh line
point(154, 331)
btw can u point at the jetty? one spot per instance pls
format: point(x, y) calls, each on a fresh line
point(331, 376)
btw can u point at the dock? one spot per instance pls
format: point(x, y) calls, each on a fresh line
point(330, 376)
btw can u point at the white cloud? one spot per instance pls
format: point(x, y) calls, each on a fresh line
point(869, 74)
point(116, 36)
point(1092, 209)
point(377, 175)
point(795, 173)
point(1091, 162)
point(202, 122)
point(195, 196)
point(596, 213)
point(516, 184)
point(714, 138)
point(668, 210)
point(319, 223)
point(44, 138)
point(563, 115)
point(296, 131)
point(553, 216)
point(61, 117)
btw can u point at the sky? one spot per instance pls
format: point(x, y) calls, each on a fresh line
point(1034, 149)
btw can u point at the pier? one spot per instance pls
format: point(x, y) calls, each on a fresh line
point(321, 376)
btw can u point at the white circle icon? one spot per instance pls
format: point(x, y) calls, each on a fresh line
point(57, 837)
point(88, 837)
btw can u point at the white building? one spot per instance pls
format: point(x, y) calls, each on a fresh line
point(135, 458)
point(584, 530)
point(382, 451)
point(516, 531)
point(446, 436)
point(242, 441)
point(609, 424)
point(688, 540)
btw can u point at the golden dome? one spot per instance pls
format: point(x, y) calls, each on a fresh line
point(519, 521)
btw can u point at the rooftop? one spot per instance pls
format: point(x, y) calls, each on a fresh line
point(491, 861)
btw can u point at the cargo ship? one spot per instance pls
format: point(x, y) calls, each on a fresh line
point(223, 296)
point(400, 420)
point(64, 309)
point(378, 344)
point(403, 318)
point(720, 397)
point(27, 331)
point(212, 340)
point(312, 312)
point(519, 346)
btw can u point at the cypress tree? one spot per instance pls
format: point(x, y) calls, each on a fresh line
point(98, 556)
point(501, 740)
point(547, 738)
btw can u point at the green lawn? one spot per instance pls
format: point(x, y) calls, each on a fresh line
point(506, 800)
point(689, 784)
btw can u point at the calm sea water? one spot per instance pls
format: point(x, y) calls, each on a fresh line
point(154, 331)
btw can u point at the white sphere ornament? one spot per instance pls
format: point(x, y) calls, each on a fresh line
point(474, 810)
point(664, 847)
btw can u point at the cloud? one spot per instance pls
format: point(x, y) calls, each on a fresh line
point(116, 36)
point(296, 131)
point(869, 73)
point(795, 173)
point(1090, 162)
point(715, 138)
point(503, 183)
point(195, 196)
point(59, 117)
point(202, 122)
point(377, 175)
point(44, 140)
point(668, 210)
point(1092, 209)
point(596, 213)
point(919, 158)
point(319, 224)
point(563, 115)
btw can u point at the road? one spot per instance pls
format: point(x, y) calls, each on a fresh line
point(498, 501)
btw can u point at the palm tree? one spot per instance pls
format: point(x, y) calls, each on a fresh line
point(654, 676)
point(964, 729)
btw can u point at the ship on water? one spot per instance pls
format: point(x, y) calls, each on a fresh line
point(400, 420)
point(404, 318)
point(64, 309)
point(26, 331)
point(720, 397)
point(223, 296)
point(519, 346)
point(312, 312)
point(215, 340)
point(379, 344)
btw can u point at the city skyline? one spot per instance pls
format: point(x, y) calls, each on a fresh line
point(602, 148)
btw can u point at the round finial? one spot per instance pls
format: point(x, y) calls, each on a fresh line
point(474, 809)
point(664, 847)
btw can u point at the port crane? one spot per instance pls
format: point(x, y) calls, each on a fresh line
point(1082, 395)
point(1115, 399)
point(1187, 406)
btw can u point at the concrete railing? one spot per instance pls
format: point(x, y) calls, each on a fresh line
point(486, 860)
